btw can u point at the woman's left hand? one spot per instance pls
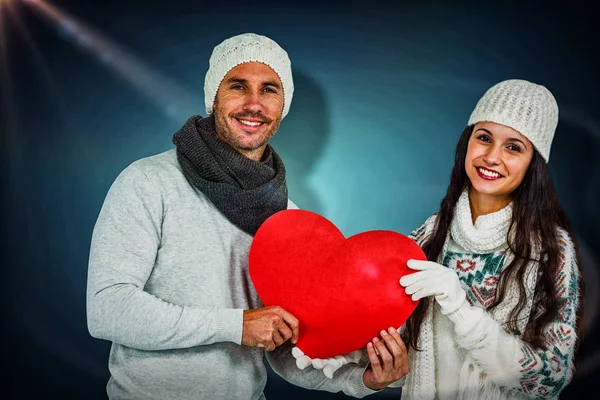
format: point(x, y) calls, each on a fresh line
point(389, 364)
point(436, 280)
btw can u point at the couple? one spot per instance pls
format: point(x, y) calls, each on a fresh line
point(168, 280)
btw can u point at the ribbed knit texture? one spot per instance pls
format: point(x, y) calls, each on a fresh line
point(487, 234)
point(247, 192)
point(524, 106)
point(244, 48)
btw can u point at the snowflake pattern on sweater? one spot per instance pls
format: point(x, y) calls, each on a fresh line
point(479, 272)
point(546, 371)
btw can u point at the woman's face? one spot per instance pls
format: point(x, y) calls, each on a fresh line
point(497, 159)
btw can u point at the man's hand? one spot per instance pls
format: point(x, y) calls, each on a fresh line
point(269, 327)
point(390, 365)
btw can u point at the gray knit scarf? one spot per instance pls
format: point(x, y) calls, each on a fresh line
point(245, 191)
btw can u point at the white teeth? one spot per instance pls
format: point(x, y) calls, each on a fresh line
point(250, 123)
point(488, 173)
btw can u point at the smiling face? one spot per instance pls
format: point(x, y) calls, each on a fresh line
point(496, 162)
point(248, 108)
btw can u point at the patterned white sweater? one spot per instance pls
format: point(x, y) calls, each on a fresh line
point(468, 354)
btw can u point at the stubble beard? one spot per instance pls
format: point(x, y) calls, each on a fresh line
point(226, 134)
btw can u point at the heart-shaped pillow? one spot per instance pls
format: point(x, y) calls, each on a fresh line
point(343, 291)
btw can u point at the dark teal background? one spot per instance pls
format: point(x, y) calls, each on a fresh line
point(382, 95)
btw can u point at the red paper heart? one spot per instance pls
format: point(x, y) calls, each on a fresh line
point(343, 291)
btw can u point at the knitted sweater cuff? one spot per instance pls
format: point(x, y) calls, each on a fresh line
point(399, 383)
point(357, 386)
point(229, 326)
point(465, 318)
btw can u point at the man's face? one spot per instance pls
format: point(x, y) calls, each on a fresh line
point(248, 108)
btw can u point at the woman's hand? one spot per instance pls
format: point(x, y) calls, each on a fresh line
point(389, 360)
point(433, 279)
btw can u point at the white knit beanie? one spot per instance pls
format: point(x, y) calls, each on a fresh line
point(526, 107)
point(244, 48)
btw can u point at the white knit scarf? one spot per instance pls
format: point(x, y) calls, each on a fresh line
point(488, 234)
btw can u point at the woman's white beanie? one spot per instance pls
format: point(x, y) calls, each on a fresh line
point(524, 106)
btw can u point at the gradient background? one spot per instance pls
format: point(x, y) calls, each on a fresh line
point(382, 95)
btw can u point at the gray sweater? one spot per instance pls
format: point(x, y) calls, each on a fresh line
point(167, 285)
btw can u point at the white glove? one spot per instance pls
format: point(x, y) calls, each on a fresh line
point(436, 280)
point(328, 365)
point(302, 360)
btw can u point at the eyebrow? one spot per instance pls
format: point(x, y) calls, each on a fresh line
point(512, 139)
point(234, 79)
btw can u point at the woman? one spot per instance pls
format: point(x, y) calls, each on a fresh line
point(507, 286)
point(502, 293)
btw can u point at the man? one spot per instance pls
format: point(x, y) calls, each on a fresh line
point(168, 279)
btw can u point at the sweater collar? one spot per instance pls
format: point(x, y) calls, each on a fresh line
point(489, 231)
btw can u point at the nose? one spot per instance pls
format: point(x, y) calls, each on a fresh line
point(252, 102)
point(492, 155)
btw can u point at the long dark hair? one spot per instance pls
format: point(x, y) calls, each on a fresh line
point(536, 213)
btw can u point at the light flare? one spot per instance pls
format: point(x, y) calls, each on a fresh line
point(175, 101)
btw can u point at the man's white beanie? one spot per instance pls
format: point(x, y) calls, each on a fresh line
point(528, 108)
point(244, 48)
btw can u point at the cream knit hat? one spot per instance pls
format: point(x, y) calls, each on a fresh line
point(526, 107)
point(244, 48)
